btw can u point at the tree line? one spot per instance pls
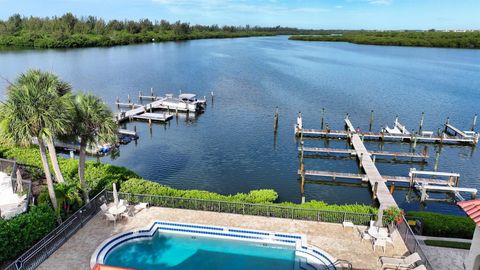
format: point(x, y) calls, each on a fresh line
point(69, 31)
point(469, 40)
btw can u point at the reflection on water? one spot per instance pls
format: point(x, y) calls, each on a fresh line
point(232, 147)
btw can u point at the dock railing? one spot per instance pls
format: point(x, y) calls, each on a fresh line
point(412, 243)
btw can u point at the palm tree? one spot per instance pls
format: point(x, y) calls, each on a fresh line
point(34, 110)
point(94, 124)
point(63, 90)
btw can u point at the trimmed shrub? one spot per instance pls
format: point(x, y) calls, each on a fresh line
point(445, 225)
point(21, 232)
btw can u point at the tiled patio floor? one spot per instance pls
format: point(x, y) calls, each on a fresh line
point(342, 244)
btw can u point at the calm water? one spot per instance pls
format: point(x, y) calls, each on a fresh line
point(170, 251)
point(231, 147)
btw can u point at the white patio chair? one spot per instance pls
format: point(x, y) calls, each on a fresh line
point(380, 243)
point(110, 217)
point(391, 238)
point(104, 208)
point(364, 235)
point(400, 262)
point(122, 202)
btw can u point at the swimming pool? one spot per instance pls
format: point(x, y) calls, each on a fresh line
point(167, 245)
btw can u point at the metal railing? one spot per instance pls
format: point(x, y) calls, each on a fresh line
point(412, 243)
point(247, 208)
point(56, 238)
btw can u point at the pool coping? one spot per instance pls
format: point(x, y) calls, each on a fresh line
point(312, 256)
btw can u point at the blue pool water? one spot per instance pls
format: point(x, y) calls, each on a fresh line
point(173, 251)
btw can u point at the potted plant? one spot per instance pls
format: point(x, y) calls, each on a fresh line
point(393, 216)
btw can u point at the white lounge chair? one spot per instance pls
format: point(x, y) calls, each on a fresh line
point(139, 207)
point(400, 262)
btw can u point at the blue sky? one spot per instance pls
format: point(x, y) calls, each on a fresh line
point(345, 14)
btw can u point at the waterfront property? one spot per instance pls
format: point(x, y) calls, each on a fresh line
point(348, 240)
point(337, 241)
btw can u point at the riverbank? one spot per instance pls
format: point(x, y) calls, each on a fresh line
point(467, 40)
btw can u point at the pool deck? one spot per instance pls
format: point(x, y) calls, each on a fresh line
point(332, 238)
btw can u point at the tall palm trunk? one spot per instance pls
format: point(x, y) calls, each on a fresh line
point(81, 169)
point(53, 157)
point(48, 175)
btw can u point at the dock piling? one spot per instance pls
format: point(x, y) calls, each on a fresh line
point(211, 94)
point(275, 121)
point(392, 188)
point(375, 188)
point(474, 122)
point(421, 123)
point(140, 95)
point(371, 121)
point(151, 91)
point(323, 115)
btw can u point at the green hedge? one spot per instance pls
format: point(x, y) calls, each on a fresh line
point(140, 186)
point(445, 225)
point(21, 232)
point(264, 196)
point(447, 244)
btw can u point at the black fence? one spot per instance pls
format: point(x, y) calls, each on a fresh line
point(412, 243)
point(247, 208)
point(55, 239)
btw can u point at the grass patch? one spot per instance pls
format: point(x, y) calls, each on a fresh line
point(447, 244)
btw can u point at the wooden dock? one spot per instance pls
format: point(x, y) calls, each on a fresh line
point(363, 177)
point(130, 114)
point(159, 117)
point(377, 183)
point(372, 153)
point(383, 136)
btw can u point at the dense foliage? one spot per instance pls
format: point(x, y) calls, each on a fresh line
point(393, 214)
point(23, 231)
point(264, 196)
point(470, 40)
point(445, 225)
point(447, 244)
point(69, 31)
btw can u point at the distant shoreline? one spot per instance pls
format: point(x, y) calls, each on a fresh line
point(467, 40)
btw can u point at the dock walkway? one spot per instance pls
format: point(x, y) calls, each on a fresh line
point(373, 175)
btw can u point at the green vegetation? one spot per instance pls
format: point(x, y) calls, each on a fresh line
point(469, 40)
point(69, 31)
point(23, 231)
point(447, 244)
point(445, 225)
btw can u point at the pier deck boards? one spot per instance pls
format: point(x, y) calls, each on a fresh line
point(160, 117)
point(457, 131)
point(352, 152)
point(340, 134)
point(363, 177)
point(373, 175)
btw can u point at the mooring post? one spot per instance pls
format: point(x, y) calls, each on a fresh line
point(446, 123)
point(375, 187)
point(414, 141)
point(275, 121)
point(392, 188)
point(360, 160)
point(151, 109)
point(211, 94)
point(151, 92)
point(140, 95)
point(371, 121)
point(441, 139)
point(135, 129)
point(176, 112)
point(435, 163)
point(149, 121)
point(118, 102)
point(323, 116)
point(374, 158)
point(421, 123)
point(129, 98)
point(474, 122)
